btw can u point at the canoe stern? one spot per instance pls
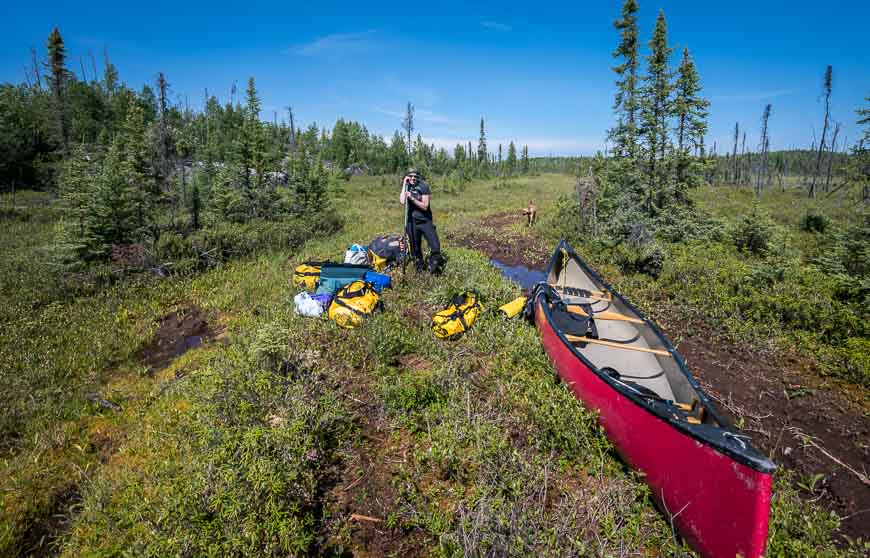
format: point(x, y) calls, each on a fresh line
point(719, 505)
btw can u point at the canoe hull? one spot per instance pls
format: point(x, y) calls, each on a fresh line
point(718, 505)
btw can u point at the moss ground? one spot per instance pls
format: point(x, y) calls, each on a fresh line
point(282, 435)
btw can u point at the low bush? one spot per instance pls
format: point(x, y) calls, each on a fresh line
point(815, 223)
point(754, 233)
point(647, 258)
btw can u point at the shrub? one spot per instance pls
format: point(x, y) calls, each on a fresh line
point(815, 223)
point(754, 233)
point(648, 258)
point(172, 246)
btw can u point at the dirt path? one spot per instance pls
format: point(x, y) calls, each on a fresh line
point(814, 428)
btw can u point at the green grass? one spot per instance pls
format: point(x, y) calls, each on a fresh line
point(747, 268)
point(242, 445)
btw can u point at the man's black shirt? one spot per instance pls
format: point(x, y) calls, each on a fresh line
point(417, 191)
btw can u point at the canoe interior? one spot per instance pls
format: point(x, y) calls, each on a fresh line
point(639, 370)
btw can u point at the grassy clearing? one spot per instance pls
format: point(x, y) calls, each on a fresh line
point(266, 440)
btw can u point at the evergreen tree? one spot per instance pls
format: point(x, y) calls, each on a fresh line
point(137, 170)
point(226, 202)
point(163, 143)
point(110, 75)
point(864, 122)
point(625, 103)
point(58, 78)
point(116, 212)
point(250, 151)
point(655, 107)
point(690, 111)
point(459, 155)
point(195, 207)
point(76, 188)
point(408, 126)
point(398, 153)
point(511, 162)
point(524, 161)
point(482, 157)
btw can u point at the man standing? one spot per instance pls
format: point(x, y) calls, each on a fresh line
point(416, 192)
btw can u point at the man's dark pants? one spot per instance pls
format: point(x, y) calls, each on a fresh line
point(417, 230)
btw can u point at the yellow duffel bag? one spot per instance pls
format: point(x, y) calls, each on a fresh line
point(306, 275)
point(353, 302)
point(458, 317)
point(513, 307)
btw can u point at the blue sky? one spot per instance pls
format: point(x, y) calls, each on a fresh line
point(539, 73)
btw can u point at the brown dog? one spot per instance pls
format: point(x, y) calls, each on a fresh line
point(531, 213)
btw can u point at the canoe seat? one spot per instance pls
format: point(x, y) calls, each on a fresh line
point(573, 324)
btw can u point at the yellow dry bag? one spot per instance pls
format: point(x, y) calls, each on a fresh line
point(307, 275)
point(353, 302)
point(379, 263)
point(458, 317)
point(513, 307)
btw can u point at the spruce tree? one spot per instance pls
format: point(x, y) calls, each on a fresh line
point(163, 141)
point(690, 111)
point(408, 126)
point(625, 103)
point(76, 188)
point(119, 208)
point(655, 107)
point(459, 155)
point(137, 170)
point(511, 161)
point(58, 77)
point(524, 161)
point(195, 207)
point(482, 157)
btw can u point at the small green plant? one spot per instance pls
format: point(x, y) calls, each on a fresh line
point(754, 233)
point(809, 482)
point(815, 223)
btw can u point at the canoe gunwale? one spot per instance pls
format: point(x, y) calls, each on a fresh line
point(724, 438)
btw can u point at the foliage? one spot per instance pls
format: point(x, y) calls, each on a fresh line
point(754, 232)
point(815, 223)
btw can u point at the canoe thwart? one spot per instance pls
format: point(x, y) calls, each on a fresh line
point(606, 315)
point(578, 339)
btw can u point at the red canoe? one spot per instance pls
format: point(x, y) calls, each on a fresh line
point(705, 475)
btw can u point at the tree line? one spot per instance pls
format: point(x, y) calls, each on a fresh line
point(131, 166)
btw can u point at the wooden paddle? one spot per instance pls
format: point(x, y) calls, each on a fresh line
point(606, 315)
point(578, 339)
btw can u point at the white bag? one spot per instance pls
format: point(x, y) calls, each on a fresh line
point(356, 254)
point(307, 306)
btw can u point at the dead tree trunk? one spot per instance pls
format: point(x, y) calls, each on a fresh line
point(37, 75)
point(762, 168)
point(827, 85)
point(734, 154)
point(831, 156)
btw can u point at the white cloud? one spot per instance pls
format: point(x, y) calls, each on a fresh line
point(495, 25)
point(337, 43)
point(421, 115)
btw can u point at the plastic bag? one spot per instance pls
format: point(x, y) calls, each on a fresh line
point(307, 306)
point(356, 254)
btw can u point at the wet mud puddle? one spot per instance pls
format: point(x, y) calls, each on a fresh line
point(520, 274)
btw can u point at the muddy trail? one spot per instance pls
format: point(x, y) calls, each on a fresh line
point(815, 428)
